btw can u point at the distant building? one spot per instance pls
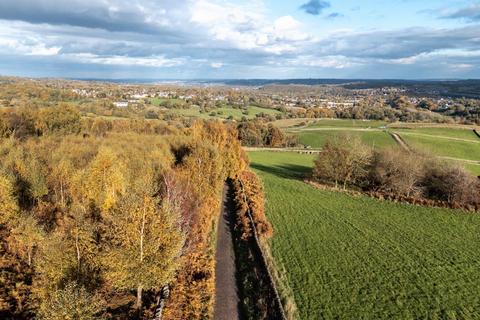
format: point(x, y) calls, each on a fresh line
point(121, 104)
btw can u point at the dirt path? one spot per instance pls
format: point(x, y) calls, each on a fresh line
point(226, 301)
point(399, 140)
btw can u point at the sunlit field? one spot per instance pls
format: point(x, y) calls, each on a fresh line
point(352, 257)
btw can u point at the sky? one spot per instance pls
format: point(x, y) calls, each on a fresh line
point(233, 39)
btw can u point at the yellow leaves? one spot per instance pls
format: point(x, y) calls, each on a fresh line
point(71, 303)
point(105, 179)
point(147, 243)
point(8, 202)
point(121, 201)
point(25, 237)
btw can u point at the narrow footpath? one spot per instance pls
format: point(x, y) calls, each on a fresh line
point(226, 301)
point(400, 141)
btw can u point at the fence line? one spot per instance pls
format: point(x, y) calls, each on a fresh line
point(262, 255)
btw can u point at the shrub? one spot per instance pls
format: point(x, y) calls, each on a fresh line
point(451, 183)
point(249, 187)
point(344, 160)
point(396, 171)
point(71, 302)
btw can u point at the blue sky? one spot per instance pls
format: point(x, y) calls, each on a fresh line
point(193, 39)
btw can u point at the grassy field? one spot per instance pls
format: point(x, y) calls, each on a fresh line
point(460, 149)
point(316, 139)
point(347, 123)
point(473, 168)
point(224, 112)
point(443, 133)
point(359, 258)
point(158, 101)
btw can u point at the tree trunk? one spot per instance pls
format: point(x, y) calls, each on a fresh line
point(139, 298)
point(77, 247)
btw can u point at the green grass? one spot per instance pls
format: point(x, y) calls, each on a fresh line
point(359, 258)
point(316, 139)
point(347, 123)
point(446, 133)
point(158, 101)
point(473, 168)
point(444, 147)
point(224, 112)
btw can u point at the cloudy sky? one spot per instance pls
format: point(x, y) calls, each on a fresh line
point(224, 39)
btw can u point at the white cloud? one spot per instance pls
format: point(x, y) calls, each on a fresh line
point(287, 28)
point(210, 34)
point(330, 62)
point(153, 61)
point(41, 50)
point(29, 47)
point(216, 65)
point(247, 29)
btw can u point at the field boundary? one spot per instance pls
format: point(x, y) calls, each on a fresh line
point(297, 150)
point(263, 259)
point(476, 132)
point(384, 196)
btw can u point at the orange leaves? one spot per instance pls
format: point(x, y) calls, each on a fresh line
point(249, 196)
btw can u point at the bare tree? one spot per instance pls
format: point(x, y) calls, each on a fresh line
point(344, 160)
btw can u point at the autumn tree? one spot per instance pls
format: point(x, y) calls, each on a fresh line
point(396, 171)
point(105, 180)
point(72, 302)
point(26, 236)
point(145, 245)
point(8, 202)
point(62, 118)
point(451, 183)
point(274, 137)
point(343, 160)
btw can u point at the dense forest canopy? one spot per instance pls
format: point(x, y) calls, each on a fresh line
point(93, 214)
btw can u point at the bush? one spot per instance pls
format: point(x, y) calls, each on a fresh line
point(344, 160)
point(249, 187)
point(451, 183)
point(71, 302)
point(396, 171)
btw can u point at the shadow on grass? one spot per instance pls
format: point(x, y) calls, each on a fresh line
point(289, 171)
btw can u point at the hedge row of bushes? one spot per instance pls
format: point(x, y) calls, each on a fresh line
point(346, 161)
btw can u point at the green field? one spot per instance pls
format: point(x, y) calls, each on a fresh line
point(443, 133)
point(473, 168)
point(460, 149)
point(316, 139)
point(158, 101)
point(347, 123)
point(224, 112)
point(359, 258)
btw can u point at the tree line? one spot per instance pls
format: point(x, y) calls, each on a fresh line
point(346, 162)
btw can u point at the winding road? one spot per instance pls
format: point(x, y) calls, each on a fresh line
point(226, 301)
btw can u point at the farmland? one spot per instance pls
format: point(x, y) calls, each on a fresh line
point(316, 133)
point(346, 123)
point(316, 139)
point(356, 257)
point(224, 112)
point(469, 150)
point(444, 142)
point(457, 143)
